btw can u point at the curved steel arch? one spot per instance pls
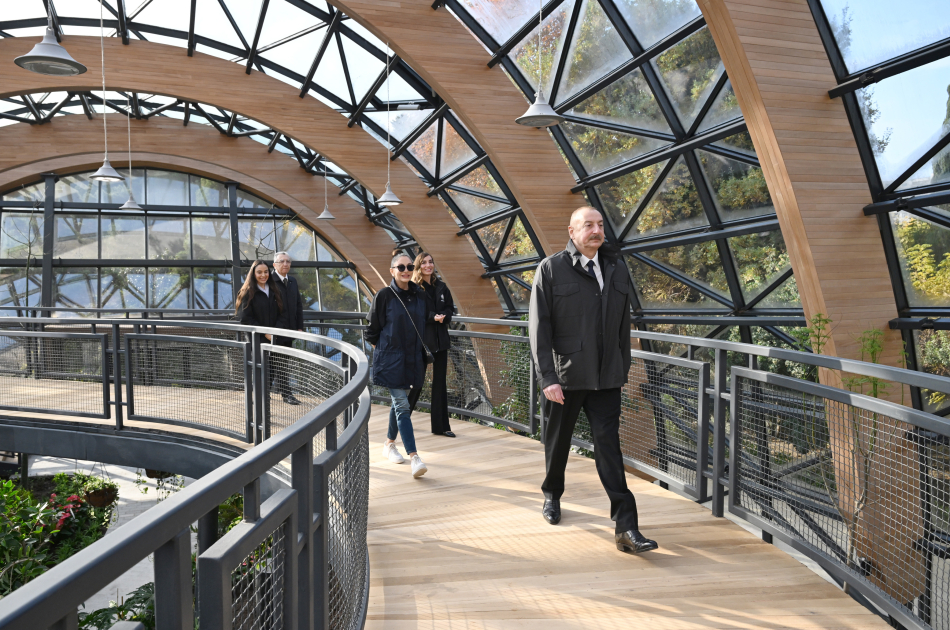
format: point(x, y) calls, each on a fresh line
point(160, 69)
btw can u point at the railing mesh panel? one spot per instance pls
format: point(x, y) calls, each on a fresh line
point(257, 586)
point(189, 382)
point(51, 374)
point(862, 488)
point(348, 508)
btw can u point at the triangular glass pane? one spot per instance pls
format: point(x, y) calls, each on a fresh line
point(784, 296)
point(657, 290)
point(622, 196)
point(520, 295)
point(171, 14)
point(491, 236)
point(455, 151)
point(739, 142)
point(283, 20)
point(519, 245)
point(596, 50)
point(652, 21)
point(922, 249)
point(553, 34)
point(295, 55)
point(599, 149)
point(502, 19)
point(396, 89)
point(936, 171)
point(627, 101)
point(474, 207)
point(211, 22)
point(738, 189)
point(329, 74)
point(675, 206)
point(760, 258)
point(689, 71)
point(401, 124)
point(698, 261)
point(482, 181)
point(364, 68)
point(723, 109)
point(423, 149)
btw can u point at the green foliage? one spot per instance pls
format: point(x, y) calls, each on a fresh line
point(517, 358)
point(138, 605)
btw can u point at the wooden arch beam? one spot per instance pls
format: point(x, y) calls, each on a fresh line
point(454, 64)
point(160, 69)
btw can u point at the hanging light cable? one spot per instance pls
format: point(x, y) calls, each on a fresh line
point(130, 204)
point(540, 114)
point(389, 198)
point(49, 57)
point(106, 173)
point(325, 215)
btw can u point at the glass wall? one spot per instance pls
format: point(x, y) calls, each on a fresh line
point(177, 253)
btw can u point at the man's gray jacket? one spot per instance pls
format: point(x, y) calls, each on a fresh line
point(580, 335)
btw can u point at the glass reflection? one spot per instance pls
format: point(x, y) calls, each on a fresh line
point(627, 101)
point(724, 109)
point(123, 237)
point(123, 287)
point(675, 206)
point(34, 192)
point(77, 189)
point(167, 188)
point(474, 207)
point(759, 260)
point(207, 192)
point(933, 356)
point(211, 238)
point(519, 245)
point(622, 196)
point(455, 151)
point(213, 288)
point(76, 236)
point(923, 249)
point(596, 50)
point(76, 288)
point(491, 236)
point(520, 295)
point(297, 240)
point(309, 289)
point(698, 261)
point(338, 290)
point(169, 239)
point(423, 149)
point(502, 18)
point(656, 290)
point(689, 71)
point(256, 239)
point(169, 287)
point(652, 20)
point(599, 149)
point(739, 189)
point(553, 34)
point(118, 192)
point(15, 290)
point(784, 296)
point(21, 235)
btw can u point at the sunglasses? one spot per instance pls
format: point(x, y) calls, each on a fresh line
point(409, 267)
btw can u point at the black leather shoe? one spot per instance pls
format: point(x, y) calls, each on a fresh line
point(290, 400)
point(552, 511)
point(634, 542)
point(448, 434)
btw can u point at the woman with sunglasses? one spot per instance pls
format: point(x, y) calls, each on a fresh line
point(441, 307)
point(396, 323)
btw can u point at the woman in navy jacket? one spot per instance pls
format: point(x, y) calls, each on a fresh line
point(396, 325)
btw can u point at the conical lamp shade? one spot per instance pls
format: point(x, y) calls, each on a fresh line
point(540, 114)
point(389, 198)
point(325, 215)
point(107, 174)
point(130, 204)
point(49, 58)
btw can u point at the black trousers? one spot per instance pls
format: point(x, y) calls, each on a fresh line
point(279, 379)
point(603, 413)
point(440, 395)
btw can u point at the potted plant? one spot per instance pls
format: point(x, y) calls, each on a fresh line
point(100, 492)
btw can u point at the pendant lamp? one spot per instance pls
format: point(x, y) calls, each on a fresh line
point(106, 173)
point(49, 57)
point(389, 198)
point(540, 114)
point(130, 204)
point(325, 215)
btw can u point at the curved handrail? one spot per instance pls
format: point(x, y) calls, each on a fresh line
point(56, 594)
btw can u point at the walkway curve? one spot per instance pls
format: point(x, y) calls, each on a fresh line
point(160, 69)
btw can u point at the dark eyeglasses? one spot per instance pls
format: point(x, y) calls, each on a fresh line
point(409, 267)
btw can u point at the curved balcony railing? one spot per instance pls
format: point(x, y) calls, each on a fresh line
point(299, 553)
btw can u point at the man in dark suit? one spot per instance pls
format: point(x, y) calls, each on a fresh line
point(580, 337)
point(293, 315)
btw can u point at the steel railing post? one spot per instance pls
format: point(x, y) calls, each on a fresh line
point(720, 387)
point(249, 390)
point(702, 436)
point(173, 599)
point(117, 374)
point(348, 414)
point(69, 622)
point(301, 465)
point(321, 547)
point(258, 387)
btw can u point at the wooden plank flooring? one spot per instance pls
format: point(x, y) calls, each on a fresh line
point(466, 547)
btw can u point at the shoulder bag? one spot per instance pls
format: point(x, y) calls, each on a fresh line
point(428, 355)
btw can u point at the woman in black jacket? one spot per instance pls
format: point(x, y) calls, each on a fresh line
point(259, 303)
point(440, 309)
point(396, 324)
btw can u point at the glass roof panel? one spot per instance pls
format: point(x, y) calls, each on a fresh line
point(283, 20)
point(902, 129)
point(759, 258)
point(400, 123)
point(657, 290)
point(423, 149)
point(935, 171)
point(724, 109)
point(596, 50)
point(698, 261)
point(622, 196)
point(784, 296)
point(296, 55)
point(519, 245)
point(599, 149)
point(211, 22)
point(739, 142)
point(652, 20)
point(480, 180)
point(520, 296)
point(688, 71)
point(455, 151)
point(872, 31)
point(329, 73)
point(922, 249)
point(675, 206)
point(502, 18)
point(474, 207)
point(491, 236)
point(364, 68)
point(626, 101)
point(739, 189)
point(395, 89)
point(173, 14)
point(553, 34)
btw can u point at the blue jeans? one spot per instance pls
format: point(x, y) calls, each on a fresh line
point(400, 419)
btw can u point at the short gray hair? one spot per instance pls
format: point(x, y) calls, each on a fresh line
point(279, 254)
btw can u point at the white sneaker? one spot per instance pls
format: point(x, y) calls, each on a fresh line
point(392, 453)
point(418, 467)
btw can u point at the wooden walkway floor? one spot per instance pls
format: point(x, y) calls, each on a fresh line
point(466, 547)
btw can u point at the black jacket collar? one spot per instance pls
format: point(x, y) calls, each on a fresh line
point(412, 290)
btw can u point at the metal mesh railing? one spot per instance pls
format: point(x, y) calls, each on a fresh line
point(258, 586)
point(53, 373)
point(188, 381)
point(855, 479)
point(348, 490)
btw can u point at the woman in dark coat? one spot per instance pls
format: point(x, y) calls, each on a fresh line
point(259, 303)
point(440, 307)
point(396, 325)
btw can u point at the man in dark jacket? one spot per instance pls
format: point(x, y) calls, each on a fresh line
point(293, 316)
point(580, 339)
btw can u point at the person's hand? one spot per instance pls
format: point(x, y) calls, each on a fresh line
point(554, 393)
point(267, 337)
point(439, 318)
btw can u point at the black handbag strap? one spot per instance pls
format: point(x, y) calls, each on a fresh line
point(426, 348)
